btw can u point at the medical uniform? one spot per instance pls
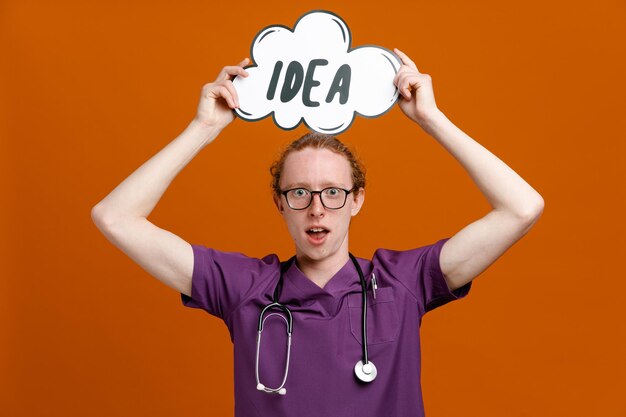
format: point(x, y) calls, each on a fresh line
point(326, 340)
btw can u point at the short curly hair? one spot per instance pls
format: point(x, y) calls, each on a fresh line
point(318, 141)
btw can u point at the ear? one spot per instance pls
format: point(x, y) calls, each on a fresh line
point(279, 203)
point(359, 199)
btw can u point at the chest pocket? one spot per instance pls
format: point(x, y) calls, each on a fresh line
point(383, 320)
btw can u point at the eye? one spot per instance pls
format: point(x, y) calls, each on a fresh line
point(333, 192)
point(299, 192)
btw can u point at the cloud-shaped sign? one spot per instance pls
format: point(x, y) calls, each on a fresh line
point(311, 74)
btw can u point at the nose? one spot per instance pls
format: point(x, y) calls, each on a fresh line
point(316, 208)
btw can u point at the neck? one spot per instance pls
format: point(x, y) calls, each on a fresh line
point(320, 271)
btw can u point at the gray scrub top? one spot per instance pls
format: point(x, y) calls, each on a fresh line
point(326, 340)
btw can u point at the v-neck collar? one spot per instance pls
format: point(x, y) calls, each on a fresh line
point(300, 293)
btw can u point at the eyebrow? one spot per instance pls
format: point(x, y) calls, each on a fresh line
point(308, 186)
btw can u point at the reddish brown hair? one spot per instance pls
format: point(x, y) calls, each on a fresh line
point(319, 141)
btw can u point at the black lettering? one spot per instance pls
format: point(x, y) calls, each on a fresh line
point(293, 81)
point(274, 81)
point(309, 82)
point(341, 85)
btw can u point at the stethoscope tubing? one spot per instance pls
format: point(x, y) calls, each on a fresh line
point(361, 366)
point(363, 309)
point(258, 346)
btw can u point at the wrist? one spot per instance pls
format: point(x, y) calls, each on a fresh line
point(205, 132)
point(431, 120)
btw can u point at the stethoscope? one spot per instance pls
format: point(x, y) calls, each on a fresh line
point(364, 369)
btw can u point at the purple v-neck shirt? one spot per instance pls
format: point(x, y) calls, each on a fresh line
point(326, 340)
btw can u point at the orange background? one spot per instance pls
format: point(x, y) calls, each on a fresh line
point(91, 91)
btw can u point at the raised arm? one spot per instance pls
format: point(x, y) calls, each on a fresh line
point(516, 206)
point(122, 215)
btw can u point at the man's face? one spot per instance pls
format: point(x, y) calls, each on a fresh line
point(316, 169)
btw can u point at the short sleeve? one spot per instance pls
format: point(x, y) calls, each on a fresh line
point(419, 270)
point(221, 281)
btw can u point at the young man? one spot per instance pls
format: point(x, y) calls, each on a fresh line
point(318, 188)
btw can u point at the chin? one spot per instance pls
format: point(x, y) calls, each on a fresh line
point(316, 254)
point(313, 254)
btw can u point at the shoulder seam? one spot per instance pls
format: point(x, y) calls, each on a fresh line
point(410, 292)
point(245, 299)
point(404, 286)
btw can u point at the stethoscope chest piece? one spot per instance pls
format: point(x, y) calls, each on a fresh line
point(364, 369)
point(365, 372)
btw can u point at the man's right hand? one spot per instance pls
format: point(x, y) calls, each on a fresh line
point(220, 97)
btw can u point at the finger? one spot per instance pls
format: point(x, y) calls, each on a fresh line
point(235, 70)
point(228, 71)
point(403, 70)
point(404, 86)
point(405, 59)
point(245, 62)
point(402, 90)
point(233, 92)
point(406, 91)
point(411, 84)
point(225, 94)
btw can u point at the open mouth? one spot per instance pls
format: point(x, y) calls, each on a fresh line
point(317, 234)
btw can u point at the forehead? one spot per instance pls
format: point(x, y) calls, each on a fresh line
point(316, 168)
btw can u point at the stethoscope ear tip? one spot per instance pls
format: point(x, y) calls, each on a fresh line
point(282, 391)
point(260, 387)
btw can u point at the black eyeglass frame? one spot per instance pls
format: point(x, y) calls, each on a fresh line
point(312, 194)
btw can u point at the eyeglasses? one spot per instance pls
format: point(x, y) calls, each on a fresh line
point(332, 198)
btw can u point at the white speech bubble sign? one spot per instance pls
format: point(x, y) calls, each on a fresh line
point(311, 75)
